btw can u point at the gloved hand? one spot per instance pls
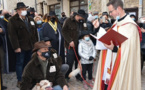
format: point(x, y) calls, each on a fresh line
point(91, 58)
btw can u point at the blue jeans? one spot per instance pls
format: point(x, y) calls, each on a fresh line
point(57, 87)
point(22, 59)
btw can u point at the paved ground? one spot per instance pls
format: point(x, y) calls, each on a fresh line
point(10, 81)
point(143, 79)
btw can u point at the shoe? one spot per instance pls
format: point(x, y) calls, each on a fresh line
point(85, 86)
point(79, 79)
point(91, 83)
point(93, 79)
point(18, 84)
point(4, 87)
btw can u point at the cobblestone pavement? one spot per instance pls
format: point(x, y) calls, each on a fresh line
point(10, 81)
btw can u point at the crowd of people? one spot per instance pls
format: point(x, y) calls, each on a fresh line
point(34, 46)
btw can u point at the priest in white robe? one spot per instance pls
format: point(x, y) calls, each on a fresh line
point(119, 66)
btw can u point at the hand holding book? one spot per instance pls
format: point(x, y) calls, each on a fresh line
point(113, 36)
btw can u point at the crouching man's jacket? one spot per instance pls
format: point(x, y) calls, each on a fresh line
point(33, 73)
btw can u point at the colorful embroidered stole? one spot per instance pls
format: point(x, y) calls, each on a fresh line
point(54, 26)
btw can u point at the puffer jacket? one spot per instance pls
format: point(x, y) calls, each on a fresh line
point(85, 50)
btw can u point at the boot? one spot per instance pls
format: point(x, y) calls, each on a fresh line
point(85, 86)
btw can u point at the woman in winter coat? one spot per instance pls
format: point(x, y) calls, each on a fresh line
point(38, 20)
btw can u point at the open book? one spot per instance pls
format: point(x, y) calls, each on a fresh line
point(106, 37)
point(114, 36)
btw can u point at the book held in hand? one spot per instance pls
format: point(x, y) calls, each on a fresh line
point(113, 36)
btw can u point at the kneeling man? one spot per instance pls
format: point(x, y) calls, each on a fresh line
point(42, 67)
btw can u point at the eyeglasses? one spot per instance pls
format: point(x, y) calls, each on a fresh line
point(111, 11)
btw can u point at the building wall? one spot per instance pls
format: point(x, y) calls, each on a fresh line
point(143, 7)
point(100, 5)
point(1, 4)
point(51, 2)
point(39, 10)
point(96, 5)
point(45, 7)
point(66, 7)
point(131, 3)
point(104, 5)
point(29, 3)
point(10, 5)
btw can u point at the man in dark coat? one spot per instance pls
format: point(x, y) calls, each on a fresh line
point(63, 18)
point(3, 44)
point(2, 53)
point(0, 75)
point(52, 30)
point(32, 12)
point(3, 48)
point(9, 52)
point(71, 31)
point(22, 33)
point(43, 66)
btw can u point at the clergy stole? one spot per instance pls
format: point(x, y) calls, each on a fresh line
point(109, 60)
point(54, 26)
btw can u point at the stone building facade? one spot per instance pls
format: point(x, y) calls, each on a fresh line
point(10, 5)
point(98, 5)
point(44, 6)
point(129, 5)
point(143, 7)
point(93, 5)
